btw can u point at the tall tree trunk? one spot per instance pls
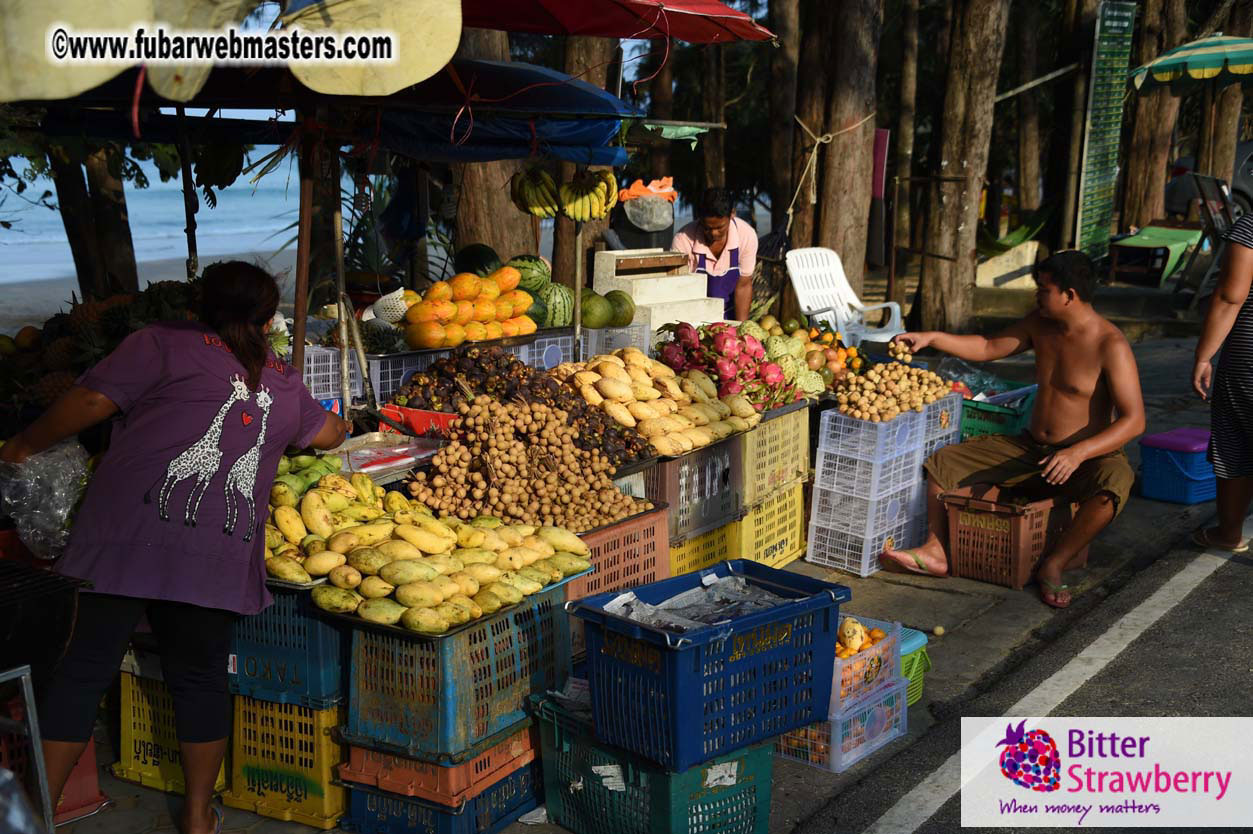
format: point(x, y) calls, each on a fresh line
point(811, 101)
point(79, 220)
point(1220, 158)
point(1163, 26)
point(1027, 27)
point(785, 23)
point(848, 161)
point(977, 41)
point(113, 228)
point(485, 213)
point(713, 104)
point(588, 58)
point(937, 121)
point(904, 158)
point(661, 106)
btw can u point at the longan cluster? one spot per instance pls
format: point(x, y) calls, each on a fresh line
point(888, 390)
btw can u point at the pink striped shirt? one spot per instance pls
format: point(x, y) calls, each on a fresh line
point(690, 240)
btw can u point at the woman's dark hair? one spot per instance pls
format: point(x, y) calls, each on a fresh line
point(236, 300)
point(715, 202)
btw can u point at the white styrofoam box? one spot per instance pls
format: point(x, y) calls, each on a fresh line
point(697, 311)
point(655, 289)
point(605, 262)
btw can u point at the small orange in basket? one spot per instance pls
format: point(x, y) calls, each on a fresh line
point(878, 633)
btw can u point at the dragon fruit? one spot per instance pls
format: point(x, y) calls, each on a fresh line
point(771, 374)
point(727, 369)
point(754, 348)
point(687, 335)
point(727, 344)
point(729, 389)
point(672, 354)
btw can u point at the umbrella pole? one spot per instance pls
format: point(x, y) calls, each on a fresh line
point(578, 292)
point(189, 196)
point(307, 165)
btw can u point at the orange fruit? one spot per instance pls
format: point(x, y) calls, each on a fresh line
point(509, 328)
point(852, 351)
point(878, 633)
point(494, 330)
point(813, 333)
point(520, 299)
point(439, 291)
point(466, 286)
point(476, 331)
point(504, 310)
point(411, 298)
point(420, 312)
point(488, 291)
point(506, 278)
point(454, 334)
point(484, 311)
point(445, 311)
point(427, 334)
point(465, 312)
point(526, 325)
point(827, 338)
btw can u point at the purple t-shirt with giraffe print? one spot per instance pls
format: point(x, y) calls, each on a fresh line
point(176, 507)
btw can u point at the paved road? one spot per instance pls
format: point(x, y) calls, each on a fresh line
point(1190, 654)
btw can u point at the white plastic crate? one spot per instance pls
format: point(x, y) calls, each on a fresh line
point(870, 441)
point(845, 739)
point(321, 373)
point(609, 339)
point(547, 352)
point(940, 441)
point(388, 372)
point(842, 510)
point(870, 670)
point(848, 533)
point(943, 416)
point(871, 478)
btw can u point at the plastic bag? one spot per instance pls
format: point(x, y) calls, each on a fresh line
point(16, 815)
point(42, 494)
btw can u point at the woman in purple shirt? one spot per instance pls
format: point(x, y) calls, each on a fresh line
point(172, 523)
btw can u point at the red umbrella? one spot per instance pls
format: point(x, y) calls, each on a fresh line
point(695, 21)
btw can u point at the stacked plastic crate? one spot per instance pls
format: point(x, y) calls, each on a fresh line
point(868, 707)
point(773, 466)
point(640, 764)
point(944, 423)
point(287, 679)
point(868, 490)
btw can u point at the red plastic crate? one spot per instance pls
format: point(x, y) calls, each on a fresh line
point(82, 796)
point(451, 786)
point(417, 420)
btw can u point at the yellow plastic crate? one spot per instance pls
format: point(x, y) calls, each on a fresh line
point(698, 552)
point(773, 533)
point(774, 454)
point(283, 761)
point(150, 754)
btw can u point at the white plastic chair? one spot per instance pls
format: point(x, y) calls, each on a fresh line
point(824, 294)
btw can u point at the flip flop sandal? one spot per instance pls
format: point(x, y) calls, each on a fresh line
point(1054, 590)
point(1201, 539)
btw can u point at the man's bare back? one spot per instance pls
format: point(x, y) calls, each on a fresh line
point(1073, 369)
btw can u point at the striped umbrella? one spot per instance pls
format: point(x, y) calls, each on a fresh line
point(1217, 61)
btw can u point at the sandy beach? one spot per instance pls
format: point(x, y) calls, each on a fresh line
point(33, 302)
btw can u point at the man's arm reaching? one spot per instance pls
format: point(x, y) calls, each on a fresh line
point(973, 348)
point(1119, 368)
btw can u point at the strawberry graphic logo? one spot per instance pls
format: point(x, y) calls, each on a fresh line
point(1030, 759)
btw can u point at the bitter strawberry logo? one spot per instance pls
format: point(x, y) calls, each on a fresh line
point(1030, 759)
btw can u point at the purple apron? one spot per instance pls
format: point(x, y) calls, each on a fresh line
point(722, 286)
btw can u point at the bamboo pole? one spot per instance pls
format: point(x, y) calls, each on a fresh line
point(308, 163)
point(189, 196)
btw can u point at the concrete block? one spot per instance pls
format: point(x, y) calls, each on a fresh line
point(1011, 270)
point(694, 311)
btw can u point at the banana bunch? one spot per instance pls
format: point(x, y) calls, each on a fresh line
point(589, 196)
point(534, 192)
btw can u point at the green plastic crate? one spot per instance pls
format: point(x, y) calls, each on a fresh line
point(592, 788)
point(982, 418)
point(915, 663)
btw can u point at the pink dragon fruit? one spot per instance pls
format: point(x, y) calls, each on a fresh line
point(727, 370)
point(720, 327)
point(728, 389)
point(754, 348)
point(672, 354)
point(771, 374)
point(727, 344)
point(687, 335)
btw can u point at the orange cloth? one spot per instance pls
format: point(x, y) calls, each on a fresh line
point(663, 188)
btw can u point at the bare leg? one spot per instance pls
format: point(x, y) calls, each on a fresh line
point(201, 764)
point(932, 557)
point(1234, 497)
point(59, 759)
point(1094, 515)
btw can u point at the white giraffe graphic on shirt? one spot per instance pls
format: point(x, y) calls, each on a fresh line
point(201, 460)
point(242, 477)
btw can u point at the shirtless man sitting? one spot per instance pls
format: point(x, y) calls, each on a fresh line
point(1087, 408)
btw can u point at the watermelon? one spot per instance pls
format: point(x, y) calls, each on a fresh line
point(537, 312)
point(597, 311)
point(535, 272)
point(478, 258)
point(623, 308)
point(559, 301)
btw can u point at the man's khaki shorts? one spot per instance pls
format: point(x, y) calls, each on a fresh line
point(1014, 463)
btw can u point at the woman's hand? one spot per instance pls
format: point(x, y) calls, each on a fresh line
point(915, 341)
point(1202, 378)
point(15, 451)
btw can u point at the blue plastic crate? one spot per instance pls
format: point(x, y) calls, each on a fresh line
point(1178, 477)
point(498, 807)
point(682, 699)
point(436, 698)
point(287, 654)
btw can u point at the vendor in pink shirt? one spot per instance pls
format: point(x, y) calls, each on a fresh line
point(723, 247)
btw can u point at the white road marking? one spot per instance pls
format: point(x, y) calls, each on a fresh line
point(928, 796)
